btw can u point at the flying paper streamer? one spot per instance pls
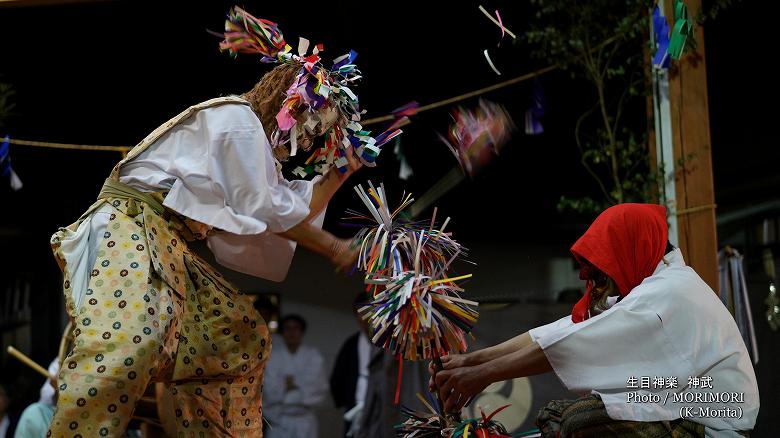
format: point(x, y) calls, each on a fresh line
point(405, 170)
point(416, 310)
point(501, 25)
point(247, 34)
point(476, 136)
point(498, 22)
point(490, 62)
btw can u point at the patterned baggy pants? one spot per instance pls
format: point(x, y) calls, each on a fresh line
point(156, 311)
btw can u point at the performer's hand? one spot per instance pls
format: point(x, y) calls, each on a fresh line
point(459, 385)
point(344, 254)
point(354, 164)
point(449, 362)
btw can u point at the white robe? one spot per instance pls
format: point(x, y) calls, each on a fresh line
point(291, 413)
point(219, 169)
point(671, 325)
point(47, 391)
point(5, 423)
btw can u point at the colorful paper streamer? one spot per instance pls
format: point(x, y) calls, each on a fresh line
point(416, 310)
point(477, 135)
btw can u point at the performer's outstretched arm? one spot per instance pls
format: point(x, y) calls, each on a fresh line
point(479, 357)
point(338, 251)
point(326, 187)
point(458, 385)
point(507, 347)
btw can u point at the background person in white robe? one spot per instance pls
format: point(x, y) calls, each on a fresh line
point(295, 383)
point(647, 332)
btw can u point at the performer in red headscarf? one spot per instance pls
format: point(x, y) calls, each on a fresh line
point(649, 347)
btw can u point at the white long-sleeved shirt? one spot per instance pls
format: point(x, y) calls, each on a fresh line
point(218, 169)
point(671, 326)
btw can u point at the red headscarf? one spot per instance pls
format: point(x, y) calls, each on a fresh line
point(625, 242)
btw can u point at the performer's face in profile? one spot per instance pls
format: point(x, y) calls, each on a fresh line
point(603, 288)
point(316, 124)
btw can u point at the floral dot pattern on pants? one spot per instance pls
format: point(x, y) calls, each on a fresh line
point(147, 290)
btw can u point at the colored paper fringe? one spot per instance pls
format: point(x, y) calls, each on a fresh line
point(420, 424)
point(416, 310)
point(484, 427)
point(315, 87)
point(475, 136)
point(247, 34)
point(419, 318)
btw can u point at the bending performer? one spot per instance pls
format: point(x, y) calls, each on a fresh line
point(146, 307)
point(650, 347)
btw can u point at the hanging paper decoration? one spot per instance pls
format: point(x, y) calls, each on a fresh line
point(661, 34)
point(6, 171)
point(316, 87)
point(416, 310)
point(534, 114)
point(405, 170)
point(476, 136)
point(682, 34)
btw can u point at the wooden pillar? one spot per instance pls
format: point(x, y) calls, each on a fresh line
point(695, 206)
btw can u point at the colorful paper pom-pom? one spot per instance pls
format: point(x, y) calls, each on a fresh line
point(475, 136)
point(416, 310)
point(247, 34)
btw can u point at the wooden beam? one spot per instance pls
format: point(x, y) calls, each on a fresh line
point(693, 158)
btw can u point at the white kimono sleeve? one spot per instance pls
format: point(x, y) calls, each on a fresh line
point(543, 330)
point(602, 353)
point(238, 190)
point(261, 255)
